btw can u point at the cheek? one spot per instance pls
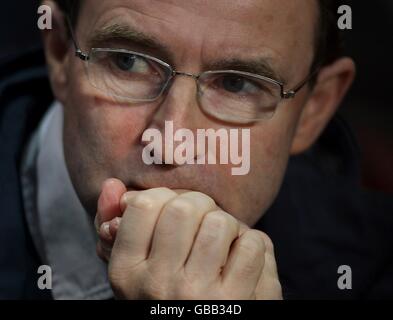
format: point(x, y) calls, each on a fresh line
point(270, 148)
point(270, 142)
point(273, 140)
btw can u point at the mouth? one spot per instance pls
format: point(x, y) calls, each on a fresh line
point(136, 187)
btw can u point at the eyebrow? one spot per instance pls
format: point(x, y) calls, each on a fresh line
point(259, 66)
point(126, 33)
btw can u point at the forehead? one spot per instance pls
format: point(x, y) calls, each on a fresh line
point(279, 30)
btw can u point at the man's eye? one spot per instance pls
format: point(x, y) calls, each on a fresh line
point(131, 63)
point(239, 85)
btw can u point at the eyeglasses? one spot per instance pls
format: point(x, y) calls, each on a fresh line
point(227, 95)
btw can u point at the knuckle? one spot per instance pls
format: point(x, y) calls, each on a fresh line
point(199, 197)
point(252, 242)
point(127, 197)
point(163, 190)
point(206, 238)
point(220, 220)
point(212, 222)
point(142, 201)
point(161, 193)
point(217, 220)
point(208, 233)
point(179, 208)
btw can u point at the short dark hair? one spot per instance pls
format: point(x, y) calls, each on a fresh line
point(328, 42)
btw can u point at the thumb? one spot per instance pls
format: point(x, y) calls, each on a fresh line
point(109, 201)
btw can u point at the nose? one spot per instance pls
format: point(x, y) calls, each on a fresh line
point(179, 107)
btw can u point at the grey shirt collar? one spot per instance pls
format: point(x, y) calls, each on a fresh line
point(61, 229)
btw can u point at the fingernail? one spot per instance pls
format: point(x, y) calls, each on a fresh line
point(105, 229)
point(116, 222)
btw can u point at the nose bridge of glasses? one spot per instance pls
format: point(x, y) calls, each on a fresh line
point(186, 74)
point(189, 75)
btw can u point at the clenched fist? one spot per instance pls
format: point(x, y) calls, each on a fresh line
point(165, 244)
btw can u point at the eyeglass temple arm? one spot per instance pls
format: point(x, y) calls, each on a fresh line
point(78, 51)
point(291, 93)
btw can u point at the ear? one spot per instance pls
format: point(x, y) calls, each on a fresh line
point(332, 84)
point(56, 45)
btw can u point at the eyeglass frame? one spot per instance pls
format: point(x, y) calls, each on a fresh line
point(290, 94)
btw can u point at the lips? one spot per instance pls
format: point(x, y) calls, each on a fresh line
point(141, 187)
point(136, 187)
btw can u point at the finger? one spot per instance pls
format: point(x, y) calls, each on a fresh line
point(245, 264)
point(129, 195)
point(104, 232)
point(108, 230)
point(212, 245)
point(108, 206)
point(105, 242)
point(177, 226)
point(269, 286)
point(126, 198)
point(135, 233)
point(114, 227)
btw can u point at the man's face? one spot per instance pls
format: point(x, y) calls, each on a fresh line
point(102, 138)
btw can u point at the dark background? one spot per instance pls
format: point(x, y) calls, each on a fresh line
point(368, 107)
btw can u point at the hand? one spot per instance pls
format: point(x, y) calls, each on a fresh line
point(168, 245)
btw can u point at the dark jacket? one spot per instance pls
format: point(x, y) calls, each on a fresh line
point(320, 220)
